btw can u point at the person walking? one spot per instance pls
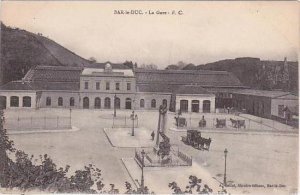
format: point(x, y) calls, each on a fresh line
point(152, 135)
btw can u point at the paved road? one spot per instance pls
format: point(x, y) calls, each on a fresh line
point(255, 159)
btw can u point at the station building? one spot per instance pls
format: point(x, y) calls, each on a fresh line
point(109, 86)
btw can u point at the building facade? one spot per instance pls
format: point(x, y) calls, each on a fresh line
point(109, 86)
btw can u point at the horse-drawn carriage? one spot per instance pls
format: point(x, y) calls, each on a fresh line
point(194, 138)
point(220, 123)
point(180, 121)
point(238, 123)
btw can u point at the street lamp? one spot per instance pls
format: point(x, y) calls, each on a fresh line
point(70, 117)
point(115, 109)
point(133, 117)
point(225, 153)
point(142, 179)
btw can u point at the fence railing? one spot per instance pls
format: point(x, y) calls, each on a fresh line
point(185, 158)
point(230, 121)
point(178, 158)
point(124, 122)
point(31, 123)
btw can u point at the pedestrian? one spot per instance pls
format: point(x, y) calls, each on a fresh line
point(152, 135)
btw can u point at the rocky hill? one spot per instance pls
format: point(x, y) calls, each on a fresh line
point(20, 50)
point(253, 72)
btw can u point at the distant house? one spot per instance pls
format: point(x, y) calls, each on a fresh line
point(267, 104)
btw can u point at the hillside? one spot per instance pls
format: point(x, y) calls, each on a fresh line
point(253, 72)
point(20, 50)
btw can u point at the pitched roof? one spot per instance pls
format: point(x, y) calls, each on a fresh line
point(204, 78)
point(263, 93)
point(40, 85)
point(169, 88)
point(156, 88)
point(54, 74)
point(191, 89)
point(114, 65)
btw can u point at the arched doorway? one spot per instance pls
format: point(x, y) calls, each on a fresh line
point(184, 105)
point(206, 106)
point(165, 102)
point(86, 102)
point(26, 101)
point(3, 102)
point(107, 103)
point(97, 103)
point(14, 101)
point(72, 102)
point(153, 103)
point(195, 105)
point(142, 103)
point(128, 103)
point(60, 101)
point(117, 103)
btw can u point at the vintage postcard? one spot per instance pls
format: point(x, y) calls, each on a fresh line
point(142, 97)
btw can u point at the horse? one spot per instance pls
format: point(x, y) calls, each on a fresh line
point(234, 123)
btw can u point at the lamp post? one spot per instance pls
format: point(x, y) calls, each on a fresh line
point(115, 109)
point(133, 117)
point(70, 117)
point(225, 153)
point(142, 179)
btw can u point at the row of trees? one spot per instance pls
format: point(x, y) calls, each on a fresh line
point(26, 173)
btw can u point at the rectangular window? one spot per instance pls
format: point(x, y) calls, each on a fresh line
point(117, 86)
point(107, 86)
point(86, 85)
point(97, 85)
point(128, 86)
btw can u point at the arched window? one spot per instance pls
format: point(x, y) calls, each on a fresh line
point(142, 103)
point(107, 103)
point(48, 101)
point(86, 102)
point(3, 102)
point(206, 106)
point(72, 101)
point(195, 105)
point(60, 101)
point(26, 101)
point(165, 102)
point(153, 103)
point(117, 103)
point(128, 103)
point(97, 103)
point(14, 101)
point(184, 105)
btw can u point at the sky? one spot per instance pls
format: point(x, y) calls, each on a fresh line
point(205, 32)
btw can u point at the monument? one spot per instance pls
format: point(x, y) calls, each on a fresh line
point(162, 153)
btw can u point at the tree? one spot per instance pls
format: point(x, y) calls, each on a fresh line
point(93, 60)
point(6, 145)
point(195, 186)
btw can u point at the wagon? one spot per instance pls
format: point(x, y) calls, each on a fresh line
point(194, 139)
point(220, 123)
point(180, 122)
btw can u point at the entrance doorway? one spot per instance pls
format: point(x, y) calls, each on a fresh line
point(97, 103)
point(128, 103)
point(184, 104)
point(195, 105)
point(86, 103)
point(206, 106)
point(117, 103)
point(3, 102)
